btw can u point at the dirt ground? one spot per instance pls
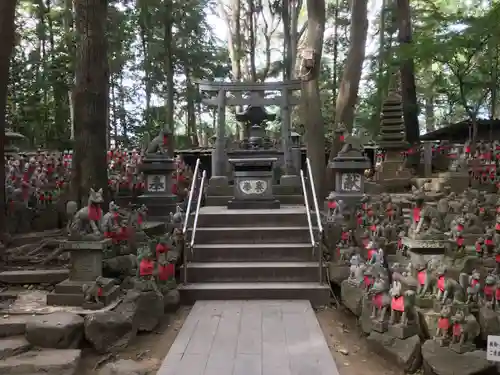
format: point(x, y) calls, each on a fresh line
point(149, 347)
point(348, 347)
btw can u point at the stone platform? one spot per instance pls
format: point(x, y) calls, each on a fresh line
point(250, 337)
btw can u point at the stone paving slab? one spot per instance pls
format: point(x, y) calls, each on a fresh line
point(250, 338)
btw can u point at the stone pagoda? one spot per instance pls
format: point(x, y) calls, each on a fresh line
point(393, 141)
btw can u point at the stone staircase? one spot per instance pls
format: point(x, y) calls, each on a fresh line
point(18, 356)
point(253, 254)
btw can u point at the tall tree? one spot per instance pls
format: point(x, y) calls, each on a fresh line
point(90, 97)
point(7, 13)
point(315, 131)
point(349, 85)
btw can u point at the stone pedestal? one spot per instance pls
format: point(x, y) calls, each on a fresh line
point(425, 247)
point(85, 268)
point(253, 184)
point(278, 165)
point(157, 196)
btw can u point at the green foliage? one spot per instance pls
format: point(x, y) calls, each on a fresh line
point(42, 67)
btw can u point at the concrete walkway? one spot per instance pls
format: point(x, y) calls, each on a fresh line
point(250, 338)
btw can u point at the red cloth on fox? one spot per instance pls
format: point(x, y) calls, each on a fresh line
point(146, 267)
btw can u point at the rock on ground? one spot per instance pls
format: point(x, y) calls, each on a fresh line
point(109, 330)
point(489, 321)
point(338, 273)
point(171, 300)
point(145, 309)
point(125, 367)
point(13, 325)
point(46, 361)
point(365, 319)
point(443, 361)
point(60, 330)
point(13, 345)
point(352, 297)
point(406, 353)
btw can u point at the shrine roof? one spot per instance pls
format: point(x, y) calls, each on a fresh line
point(459, 132)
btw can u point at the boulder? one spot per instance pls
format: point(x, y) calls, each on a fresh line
point(125, 367)
point(171, 300)
point(406, 353)
point(365, 319)
point(60, 330)
point(45, 361)
point(439, 360)
point(489, 321)
point(428, 320)
point(145, 309)
point(338, 272)
point(109, 330)
point(10, 346)
point(352, 297)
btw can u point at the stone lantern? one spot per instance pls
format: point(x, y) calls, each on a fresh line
point(349, 166)
point(158, 167)
point(296, 152)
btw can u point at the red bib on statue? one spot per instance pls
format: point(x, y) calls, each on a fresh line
point(166, 272)
point(441, 283)
point(422, 277)
point(398, 304)
point(444, 323)
point(146, 267)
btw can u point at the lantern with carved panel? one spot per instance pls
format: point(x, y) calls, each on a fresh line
point(349, 167)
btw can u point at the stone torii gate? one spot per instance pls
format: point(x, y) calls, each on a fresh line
point(285, 100)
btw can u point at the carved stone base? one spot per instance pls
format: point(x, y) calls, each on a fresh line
point(438, 305)
point(402, 332)
point(424, 302)
point(379, 326)
point(462, 348)
point(442, 341)
point(70, 293)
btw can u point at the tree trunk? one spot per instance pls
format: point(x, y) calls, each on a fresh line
point(7, 12)
point(70, 50)
point(315, 130)
point(429, 113)
point(169, 77)
point(408, 88)
point(349, 85)
point(90, 98)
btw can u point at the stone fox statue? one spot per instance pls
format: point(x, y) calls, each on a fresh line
point(86, 222)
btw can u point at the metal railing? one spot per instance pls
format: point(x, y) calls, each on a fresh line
point(190, 199)
point(308, 213)
point(314, 243)
point(195, 224)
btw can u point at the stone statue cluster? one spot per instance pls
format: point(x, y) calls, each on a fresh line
point(421, 267)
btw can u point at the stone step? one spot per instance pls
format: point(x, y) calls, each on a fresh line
point(69, 299)
point(277, 190)
point(13, 325)
point(33, 276)
point(252, 252)
point(222, 217)
point(14, 345)
point(226, 235)
point(214, 200)
point(319, 295)
point(49, 361)
point(251, 271)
